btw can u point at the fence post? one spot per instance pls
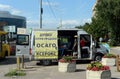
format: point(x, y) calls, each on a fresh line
point(117, 63)
point(18, 62)
point(22, 61)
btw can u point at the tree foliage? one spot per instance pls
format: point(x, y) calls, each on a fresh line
point(106, 21)
point(109, 13)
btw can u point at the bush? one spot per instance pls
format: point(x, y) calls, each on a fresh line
point(15, 72)
point(97, 66)
point(66, 59)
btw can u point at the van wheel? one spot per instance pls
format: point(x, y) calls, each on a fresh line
point(6, 54)
point(98, 58)
point(46, 62)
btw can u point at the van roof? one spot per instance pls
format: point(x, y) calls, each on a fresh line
point(74, 29)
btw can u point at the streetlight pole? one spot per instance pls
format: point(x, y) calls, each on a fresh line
point(41, 12)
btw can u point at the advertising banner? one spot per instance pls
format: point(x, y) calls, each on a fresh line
point(46, 46)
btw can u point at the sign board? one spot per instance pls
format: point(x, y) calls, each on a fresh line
point(9, 28)
point(46, 46)
point(21, 31)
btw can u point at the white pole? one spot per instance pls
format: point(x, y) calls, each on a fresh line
point(41, 12)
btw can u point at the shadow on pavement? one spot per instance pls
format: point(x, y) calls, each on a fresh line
point(80, 70)
point(56, 63)
point(115, 78)
point(83, 61)
point(11, 60)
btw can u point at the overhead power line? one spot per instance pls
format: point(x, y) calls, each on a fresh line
point(51, 9)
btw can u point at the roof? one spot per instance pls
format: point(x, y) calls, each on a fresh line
point(6, 14)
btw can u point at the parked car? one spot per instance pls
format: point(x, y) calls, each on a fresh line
point(101, 51)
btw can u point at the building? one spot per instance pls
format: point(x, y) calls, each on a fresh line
point(93, 9)
point(7, 19)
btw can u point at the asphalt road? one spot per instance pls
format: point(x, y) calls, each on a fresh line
point(50, 72)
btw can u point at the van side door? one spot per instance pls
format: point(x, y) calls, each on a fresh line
point(84, 50)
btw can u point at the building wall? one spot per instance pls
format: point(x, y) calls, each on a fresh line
point(93, 9)
point(7, 19)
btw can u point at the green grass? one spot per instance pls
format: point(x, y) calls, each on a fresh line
point(15, 72)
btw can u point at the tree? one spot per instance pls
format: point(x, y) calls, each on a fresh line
point(97, 28)
point(106, 21)
point(109, 12)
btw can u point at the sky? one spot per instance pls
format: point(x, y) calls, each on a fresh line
point(56, 13)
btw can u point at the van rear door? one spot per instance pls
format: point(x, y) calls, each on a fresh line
point(22, 45)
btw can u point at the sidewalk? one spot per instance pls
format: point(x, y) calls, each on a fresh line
point(115, 50)
point(51, 72)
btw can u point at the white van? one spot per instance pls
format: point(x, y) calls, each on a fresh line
point(49, 44)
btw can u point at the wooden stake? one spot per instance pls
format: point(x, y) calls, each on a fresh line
point(22, 61)
point(117, 62)
point(18, 62)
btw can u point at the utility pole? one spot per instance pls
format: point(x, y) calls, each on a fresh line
point(41, 12)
